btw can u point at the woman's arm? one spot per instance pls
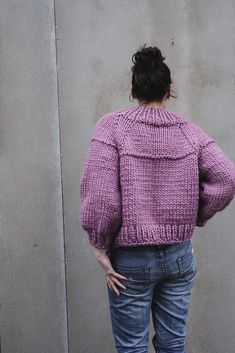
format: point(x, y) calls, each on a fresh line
point(101, 204)
point(216, 182)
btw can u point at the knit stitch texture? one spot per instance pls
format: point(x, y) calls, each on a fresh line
point(150, 176)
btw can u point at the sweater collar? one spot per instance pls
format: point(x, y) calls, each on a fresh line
point(152, 115)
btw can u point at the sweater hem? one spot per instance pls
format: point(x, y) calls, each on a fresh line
point(155, 235)
point(143, 235)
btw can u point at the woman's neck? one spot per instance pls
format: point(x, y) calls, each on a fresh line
point(161, 105)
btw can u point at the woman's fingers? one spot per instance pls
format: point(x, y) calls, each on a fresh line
point(113, 273)
point(109, 285)
point(120, 276)
point(118, 283)
point(112, 286)
point(114, 282)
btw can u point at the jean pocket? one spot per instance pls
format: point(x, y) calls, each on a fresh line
point(187, 265)
point(138, 278)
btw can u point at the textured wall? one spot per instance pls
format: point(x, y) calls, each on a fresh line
point(95, 41)
point(32, 280)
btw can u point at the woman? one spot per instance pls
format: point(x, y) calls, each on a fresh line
point(150, 177)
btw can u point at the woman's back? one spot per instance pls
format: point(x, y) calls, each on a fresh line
point(151, 176)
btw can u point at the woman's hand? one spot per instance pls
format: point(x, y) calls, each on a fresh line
point(111, 275)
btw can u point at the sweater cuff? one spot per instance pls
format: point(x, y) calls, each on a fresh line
point(99, 241)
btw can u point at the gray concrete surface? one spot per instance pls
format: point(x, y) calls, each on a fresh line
point(95, 41)
point(32, 288)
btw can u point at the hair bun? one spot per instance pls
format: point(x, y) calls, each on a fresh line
point(151, 77)
point(148, 57)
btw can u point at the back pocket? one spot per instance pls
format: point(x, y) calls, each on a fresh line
point(187, 265)
point(138, 278)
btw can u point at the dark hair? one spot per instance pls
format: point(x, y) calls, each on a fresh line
point(151, 77)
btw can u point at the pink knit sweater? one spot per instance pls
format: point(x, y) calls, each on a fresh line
point(150, 177)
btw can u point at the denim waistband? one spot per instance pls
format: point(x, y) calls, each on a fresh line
point(151, 249)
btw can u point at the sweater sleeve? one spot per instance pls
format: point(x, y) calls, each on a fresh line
point(100, 213)
point(216, 180)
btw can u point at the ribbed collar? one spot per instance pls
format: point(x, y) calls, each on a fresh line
point(154, 116)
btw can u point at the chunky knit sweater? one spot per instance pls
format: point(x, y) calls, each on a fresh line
point(150, 177)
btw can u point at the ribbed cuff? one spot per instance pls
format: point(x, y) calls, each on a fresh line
point(99, 241)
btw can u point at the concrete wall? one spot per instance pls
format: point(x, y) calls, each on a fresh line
point(32, 276)
point(39, 227)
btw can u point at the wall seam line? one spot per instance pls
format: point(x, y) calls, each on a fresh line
point(61, 173)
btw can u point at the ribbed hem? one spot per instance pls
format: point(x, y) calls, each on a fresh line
point(159, 234)
point(100, 241)
point(143, 235)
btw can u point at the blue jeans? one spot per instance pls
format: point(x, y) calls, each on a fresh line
point(160, 280)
